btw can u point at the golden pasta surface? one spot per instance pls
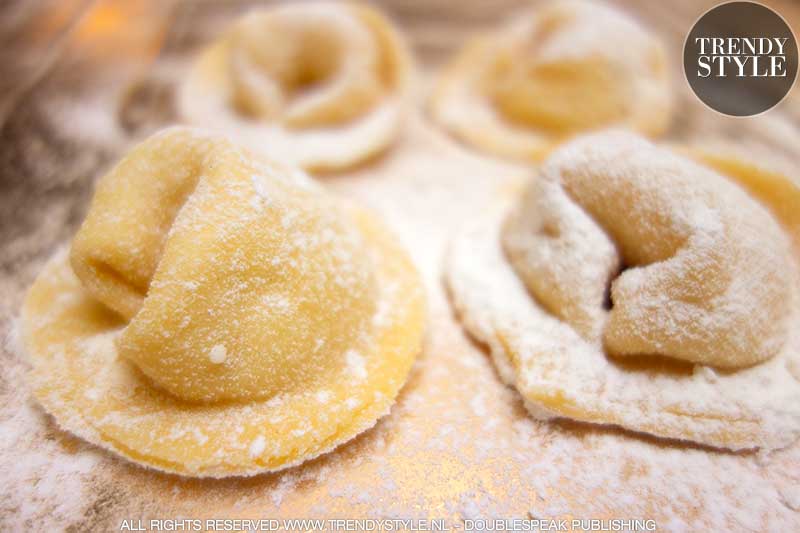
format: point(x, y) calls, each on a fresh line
point(555, 71)
point(213, 289)
point(320, 83)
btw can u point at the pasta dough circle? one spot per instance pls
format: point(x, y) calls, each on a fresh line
point(565, 68)
point(546, 333)
point(202, 380)
point(321, 83)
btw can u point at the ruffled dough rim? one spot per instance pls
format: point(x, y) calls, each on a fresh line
point(758, 407)
point(456, 105)
point(91, 392)
point(204, 100)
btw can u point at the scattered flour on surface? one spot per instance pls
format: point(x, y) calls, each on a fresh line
point(218, 354)
point(258, 446)
point(356, 364)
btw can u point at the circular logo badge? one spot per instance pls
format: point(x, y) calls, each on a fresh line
point(740, 58)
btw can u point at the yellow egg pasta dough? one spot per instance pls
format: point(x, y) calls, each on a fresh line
point(323, 84)
point(629, 285)
point(219, 314)
point(553, 72)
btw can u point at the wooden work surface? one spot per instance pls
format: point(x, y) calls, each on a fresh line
point(81, 80)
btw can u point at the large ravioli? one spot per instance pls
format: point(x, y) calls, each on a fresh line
point(644, 290)
point(553, 72)
point(220, 314)
point(321, 83)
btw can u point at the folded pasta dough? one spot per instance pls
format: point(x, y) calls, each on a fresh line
point(220, 314)
point(629, 285)
point(553, 72)
point(321, 83)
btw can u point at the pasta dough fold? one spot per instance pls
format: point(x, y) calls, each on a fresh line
point(321, 83)
point(562, 69)
point(631, 286)
point(701, 255)
point(244, 298)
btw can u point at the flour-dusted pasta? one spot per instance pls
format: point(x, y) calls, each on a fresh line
point(700, 255)
point(629, 285)
point(225, 315)
point(554, 71)
point(321, 83)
